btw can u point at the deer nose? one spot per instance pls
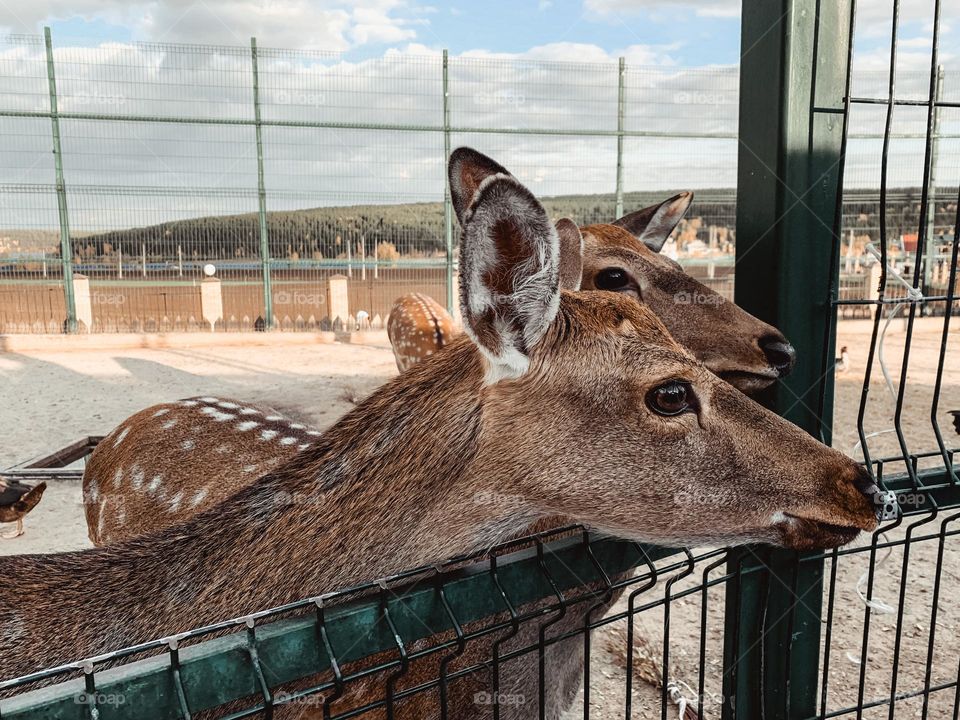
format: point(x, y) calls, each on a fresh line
point(780, 354)
point(884, 502)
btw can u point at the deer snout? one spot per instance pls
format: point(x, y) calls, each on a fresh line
point(780, 353)
point(848, 504)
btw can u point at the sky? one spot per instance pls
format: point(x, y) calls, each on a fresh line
point(699, 32)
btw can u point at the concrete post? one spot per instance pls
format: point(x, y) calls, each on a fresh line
point(83, 302)
point(211, 301)
point(338, 298)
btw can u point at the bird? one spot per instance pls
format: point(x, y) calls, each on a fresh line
point(842, 363)
point(16, 500)
point(956, 420)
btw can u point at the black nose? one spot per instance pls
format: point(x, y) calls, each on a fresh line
point(780, 354)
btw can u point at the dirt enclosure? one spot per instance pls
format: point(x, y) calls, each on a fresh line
point(55, 397)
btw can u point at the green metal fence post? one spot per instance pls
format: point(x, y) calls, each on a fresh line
point(447, 206)
point(929, 256)
point(792, 80)
point(261, 193)
point(66, 251)
point(621, 111)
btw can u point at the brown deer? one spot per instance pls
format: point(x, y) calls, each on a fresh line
point(418, 327)
point(185, 458)
point(557, 403)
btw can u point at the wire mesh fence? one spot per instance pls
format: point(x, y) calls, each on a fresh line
point(282, 168)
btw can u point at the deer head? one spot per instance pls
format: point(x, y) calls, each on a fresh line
point(624, 257)
point(418, 327)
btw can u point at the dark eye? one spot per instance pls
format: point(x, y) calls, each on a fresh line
point(671, 398)
point(612, 278)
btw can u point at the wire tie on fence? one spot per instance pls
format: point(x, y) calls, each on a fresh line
point(914, 294)
point(877, 606)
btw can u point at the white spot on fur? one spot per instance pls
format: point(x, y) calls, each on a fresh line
point(303, 446)
point(288, 441)
point(136, 477)
point(209, 399)
point(118, 477)
point(169, 423)
point(199, 497)
point(247, 425)
point(155, 483)
point(315, 433)
point(121, 436)
point(218, 415)
point(175, 502)
point(188, 445)
point(228, 405)
point(274, 418)
point(297, 426)
point(268, 434)
point(249, 468)
point(188, 403)
point(161, 411)
point(249, 411)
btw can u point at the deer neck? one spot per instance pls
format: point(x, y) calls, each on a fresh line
point(395, 484)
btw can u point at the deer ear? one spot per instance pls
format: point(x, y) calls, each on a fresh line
point(510, 266)
point(653, 225)
point(466, 170)
point(571, 254)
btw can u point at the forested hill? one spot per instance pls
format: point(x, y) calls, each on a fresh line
point(418, 229)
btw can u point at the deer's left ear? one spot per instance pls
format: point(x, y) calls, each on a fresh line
point(653, 225)
point(510, 270)
point(466, 170)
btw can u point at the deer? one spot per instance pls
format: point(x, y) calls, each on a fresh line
point(555, 402)
point(170, 447)
point(17, 499)
point(418, 327)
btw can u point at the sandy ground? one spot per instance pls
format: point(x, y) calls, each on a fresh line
point(52, 398)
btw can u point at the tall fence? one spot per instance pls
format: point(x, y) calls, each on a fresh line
point(126, 169)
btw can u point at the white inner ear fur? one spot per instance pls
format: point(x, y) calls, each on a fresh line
point(535, 298)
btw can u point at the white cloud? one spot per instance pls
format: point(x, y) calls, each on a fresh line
point(328, 25)
point(704, 8)
point(587, 53)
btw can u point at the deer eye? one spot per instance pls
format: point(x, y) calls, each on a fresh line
point(612, 278)
point(671, 398)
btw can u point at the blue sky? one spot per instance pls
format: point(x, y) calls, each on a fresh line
point(700, 32)
point(688, 33)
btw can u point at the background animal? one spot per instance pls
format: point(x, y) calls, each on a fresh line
point(16, 500)
point(418, 326)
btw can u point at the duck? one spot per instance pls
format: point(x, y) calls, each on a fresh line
point(16, 500)
point(842, 363)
